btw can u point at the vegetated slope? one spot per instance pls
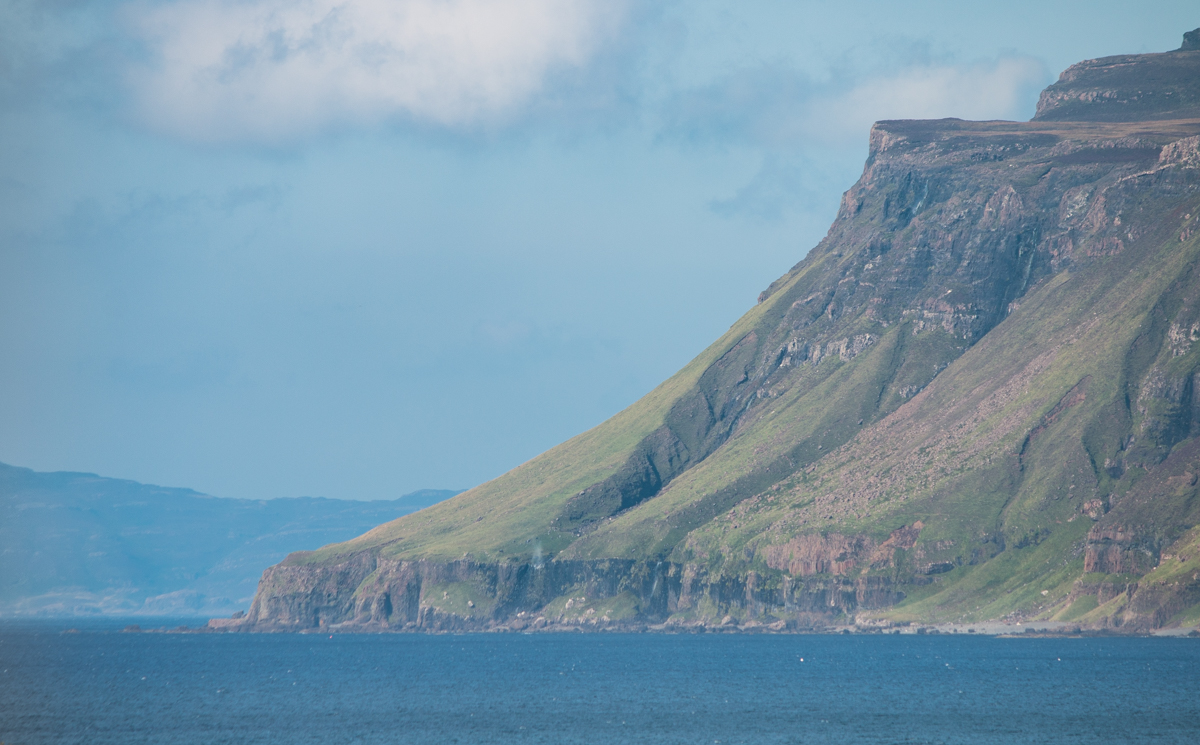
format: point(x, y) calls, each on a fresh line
point(973, 400)
point(77, 543)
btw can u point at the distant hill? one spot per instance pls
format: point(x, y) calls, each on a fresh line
point(77, 543)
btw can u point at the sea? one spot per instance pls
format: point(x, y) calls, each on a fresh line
point(95, 685)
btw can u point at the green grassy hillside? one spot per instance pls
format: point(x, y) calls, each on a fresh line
point(997, 458)
point(511, 516)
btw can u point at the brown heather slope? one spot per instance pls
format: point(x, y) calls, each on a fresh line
point(973, 400)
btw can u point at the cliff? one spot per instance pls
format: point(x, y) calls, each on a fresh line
point(972, 400)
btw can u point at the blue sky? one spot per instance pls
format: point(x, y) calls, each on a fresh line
point(354, 248)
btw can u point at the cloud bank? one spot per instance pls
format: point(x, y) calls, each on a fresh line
point(992, 90)
point(780, 108)
point(281, 70)
point(270, 70)
point(813, 133)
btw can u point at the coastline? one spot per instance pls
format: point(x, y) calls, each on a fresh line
point(997, 629)
point(1000, 629)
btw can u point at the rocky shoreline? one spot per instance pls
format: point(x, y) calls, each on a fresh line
point(365, 593)
point(1050, 629)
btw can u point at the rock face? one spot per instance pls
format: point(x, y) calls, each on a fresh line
point(973, 400)
point(1191, 41)
point(1127, 88)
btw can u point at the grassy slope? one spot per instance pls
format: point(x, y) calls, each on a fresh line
point(798, 428)
point(1180, 566)
point(509, 517)
point(950, 457)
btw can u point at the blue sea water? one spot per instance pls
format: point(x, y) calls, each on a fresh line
point(100, 686)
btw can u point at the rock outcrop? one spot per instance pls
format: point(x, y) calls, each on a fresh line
point(1127, 88)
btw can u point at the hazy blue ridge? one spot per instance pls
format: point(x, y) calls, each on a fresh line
point(78, 543)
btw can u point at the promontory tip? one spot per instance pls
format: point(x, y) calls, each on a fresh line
point(1191, 41)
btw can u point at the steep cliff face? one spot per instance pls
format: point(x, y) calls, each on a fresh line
point(965, 403)
point(1128, 87)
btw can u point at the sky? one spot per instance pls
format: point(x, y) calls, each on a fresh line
point(355, 248)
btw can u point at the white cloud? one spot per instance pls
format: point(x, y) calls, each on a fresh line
point(781, 109)
point(265, 70)
point(994, 90)
point(812, 133)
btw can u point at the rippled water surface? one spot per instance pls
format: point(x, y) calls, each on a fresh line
point(100, 686)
